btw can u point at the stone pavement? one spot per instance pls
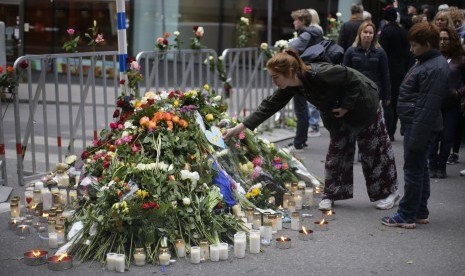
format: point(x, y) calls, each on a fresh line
point(356, 243)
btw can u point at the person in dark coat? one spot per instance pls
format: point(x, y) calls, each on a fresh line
point(350, 110)
point(307, 36)
point(349, 29)
point(452, 49)
point(419, 107)
point(393, 39)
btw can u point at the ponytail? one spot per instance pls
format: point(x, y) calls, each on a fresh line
point(287, 63)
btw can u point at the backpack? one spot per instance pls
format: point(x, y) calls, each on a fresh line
point(324, 51)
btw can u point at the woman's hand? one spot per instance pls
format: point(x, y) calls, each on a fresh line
point(231, 132)
point(339, 112)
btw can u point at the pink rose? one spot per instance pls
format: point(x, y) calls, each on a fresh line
point(99, 39)
point(70, 31)
point(247, 10)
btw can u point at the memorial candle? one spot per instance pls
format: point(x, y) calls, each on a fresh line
point(164, 256)
point(254, 245)
point(239, 245)
point(223, 248)
point(214, 252)
point(139, 256)
point(14, 209)
point(195, 255)
point(180, 248)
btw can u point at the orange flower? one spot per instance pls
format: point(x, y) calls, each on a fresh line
point(157, 116)
point(9, 69)
point(151, 125)
point(175, 119)
point(144, 121)
point(167, 116)
point(170, 125)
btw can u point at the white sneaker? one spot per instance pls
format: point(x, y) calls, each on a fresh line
point(388, 202)
point(326, 205)
point(462, 172)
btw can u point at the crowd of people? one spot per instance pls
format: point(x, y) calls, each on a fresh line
point(414, 73)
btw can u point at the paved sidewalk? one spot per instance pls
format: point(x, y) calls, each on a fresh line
point(356, 243)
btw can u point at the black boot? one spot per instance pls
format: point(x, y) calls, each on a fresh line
point(433, 172)
point(441, 172)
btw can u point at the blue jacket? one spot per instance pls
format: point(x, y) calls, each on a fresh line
point(373, 64)
point(420, 97)
point(307, 37)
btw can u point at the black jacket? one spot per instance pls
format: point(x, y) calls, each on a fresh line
point(373, 64)
point(307, 37)
point(348, 32)
point(420, 96)
point(327, 86)
point(393, 39)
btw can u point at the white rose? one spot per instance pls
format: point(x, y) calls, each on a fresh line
point(186, 201)
point(128, 124)
point(338, 14)
point(176, 33)
point(70, 159)
point(162, 166)
point(210, 58)
point(185, 174)
point(245, 20)
point(164, 95)
point(217, 98)
point(195, 177)
point(200, 30)
point(150, 95)
point(264, 46)
point(220, 58)
point(124, 134)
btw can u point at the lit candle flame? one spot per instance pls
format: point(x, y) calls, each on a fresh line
point(304, 230)
point(283, 239)
point(62, 256)
point(280, 207)
point(322, 222)
point(34, 206)
point(317, 190)
point(36, 253)
point(45, 215)
point(14, 221)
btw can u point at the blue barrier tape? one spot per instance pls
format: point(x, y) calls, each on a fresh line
point(121, 20)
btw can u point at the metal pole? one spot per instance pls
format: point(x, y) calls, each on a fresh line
point(122, 44)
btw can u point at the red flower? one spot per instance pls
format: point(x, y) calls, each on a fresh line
point(171, 95)
point(195, 28)
point(247, 10)
point(165, 41)
point(122, 82)
point(120, 193)
point(23, 64)
point(130, 59)
point(150, 101)
point(150, 205)
point(120, 103)
point(84, 155)
point(113, 125)
point(116, 113)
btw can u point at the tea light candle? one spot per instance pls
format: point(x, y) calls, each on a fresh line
point(119, 263)
point(60, 262)
point(295, 221)
point(53, 240)
point(139, 256)
point(239, 245)
point(180, 248)
point(164, 256)
point(214, 252)
point(283, 242)
point(329, 215)
point(35, 257)
point(305, 234)
point(23, 230)
point(321, 225)
point(111, 257)
point(306, 220)
point(257, 220)
point(254, 241)
point(204, 251)
point(13, 223)
point(317, 192)
point(14, 209)
point(223, 248)
point(195, 254)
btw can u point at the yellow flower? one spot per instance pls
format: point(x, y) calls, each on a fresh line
point(248, 195)
point(176, 103)
point(142, 194)
point(209, 117)
point(206, 87)
point(255, 192)
point(138, 104)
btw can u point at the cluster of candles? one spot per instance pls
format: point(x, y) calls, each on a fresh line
point(39, 257)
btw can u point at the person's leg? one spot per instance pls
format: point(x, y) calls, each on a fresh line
point(377, 158)
point(457, 140)
point(433, 156)
point(301, 112)
point(314, 119)
point(339, 180)
point(450, 117)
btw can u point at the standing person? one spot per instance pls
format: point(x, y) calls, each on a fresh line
point(458, 19)
point(452, 49)
point(393, 39)
point(308, 35)
point(442, 20)
point(406, 20)
point(349, 29)
point(349, 106)
point(313, 112)
point(419, 109)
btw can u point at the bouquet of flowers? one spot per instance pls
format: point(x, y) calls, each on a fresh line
point(162, 43)
point(9, 79)
point(334, 25)
point(198, 34)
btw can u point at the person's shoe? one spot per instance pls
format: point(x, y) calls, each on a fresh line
point(462, 173)
point(294, 148)
point(441, 173)
point(397, 221)
point(422, 221)
point(433, 173)
point(326, 205)
point(453, 159)
point(388, 202)
point(391, 137)
point(314, 133)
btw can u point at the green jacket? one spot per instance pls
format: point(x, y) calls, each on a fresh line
point(327, 86)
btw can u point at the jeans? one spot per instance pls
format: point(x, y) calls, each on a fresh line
point(314, 117)
point(413, 204)
point(441, 146)
point(301, 112)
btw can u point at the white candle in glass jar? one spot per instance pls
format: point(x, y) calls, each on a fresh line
point(295, 221)
point(64, 197)
point(14, 209)
point(254, 245)
point(120, 263)
point(279, 221)
point(239, 245)
point(298, 200)
point(111, 261)
point(223, 248)
point(139, 257)
point(195, 254)
point(62, 179)
point(180, 248)
point(308, 196)
point(267, 234)
point(53, 240)
point(164, 258)
point(47, 200)
point(214, 252)
point(72, 197)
